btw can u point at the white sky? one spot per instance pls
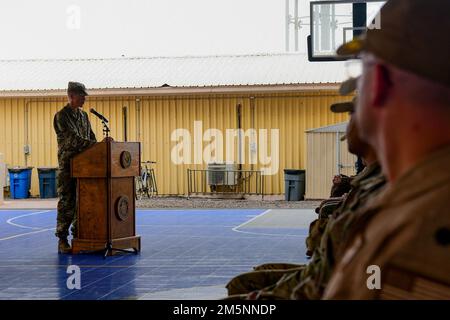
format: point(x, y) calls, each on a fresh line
point(110, 28)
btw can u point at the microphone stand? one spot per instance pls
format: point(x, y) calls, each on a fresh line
point(109, 245)
point(106, 129)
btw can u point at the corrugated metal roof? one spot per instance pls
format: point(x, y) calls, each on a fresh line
point(338, 127)
point(154, 72)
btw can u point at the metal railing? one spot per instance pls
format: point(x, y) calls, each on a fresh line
point(222, 182)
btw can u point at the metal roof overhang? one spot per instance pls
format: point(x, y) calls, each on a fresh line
point(175, 90)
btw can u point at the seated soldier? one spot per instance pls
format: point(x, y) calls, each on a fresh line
point(310, 281)
point(341, 185)
point(269, 274)
point(325, 209)
point(402, 248)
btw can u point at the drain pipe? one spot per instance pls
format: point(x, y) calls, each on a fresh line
point(239, 126)
point(138, 119)
point(26, 147)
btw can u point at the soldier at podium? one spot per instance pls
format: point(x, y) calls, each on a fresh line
point(74, 135)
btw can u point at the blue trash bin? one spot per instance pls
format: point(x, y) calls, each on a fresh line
point(47, 182)
point(20, 182)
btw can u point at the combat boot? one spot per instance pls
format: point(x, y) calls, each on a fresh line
point(64, 246)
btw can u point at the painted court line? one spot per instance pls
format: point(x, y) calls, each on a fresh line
point(158, 268)
point(255, 217)
point(235, 229)
point(9, 221)
point(40, 230)
point(105, 266)
point(270, 234)
point(25, 234)
point(183, 226)
point(127, 268)
point(37, 229)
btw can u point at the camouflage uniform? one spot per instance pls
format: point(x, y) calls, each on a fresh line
point(341, 185)
point(309, 281)
point(262, 277)
point(405, 231)
point(339, 191)
point(74, 134)
point(269, 273)
point(405, 234)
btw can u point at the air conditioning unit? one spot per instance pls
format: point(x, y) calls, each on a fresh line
point(222, 174)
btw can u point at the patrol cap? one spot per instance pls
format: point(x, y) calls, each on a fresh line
point(411, 35)
point(77, 88)
point(343, 107)
point(348, 86)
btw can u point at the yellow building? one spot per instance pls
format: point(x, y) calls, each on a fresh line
point(149, 99)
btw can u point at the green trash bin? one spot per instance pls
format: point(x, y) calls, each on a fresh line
point(294, 183)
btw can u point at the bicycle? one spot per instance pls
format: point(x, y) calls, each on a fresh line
point(146, 182)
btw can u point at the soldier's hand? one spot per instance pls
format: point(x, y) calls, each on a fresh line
point(337, 179)
point(253, 295)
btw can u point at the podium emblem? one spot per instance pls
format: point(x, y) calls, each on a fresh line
point(125, 159)
point(122, 208)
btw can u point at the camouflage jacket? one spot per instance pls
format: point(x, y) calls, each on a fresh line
point(335, 206)
point(405, 232)
point(74, 134)
point(338, 226)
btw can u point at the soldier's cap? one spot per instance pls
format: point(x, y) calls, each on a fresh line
point(343, 107)
point(77, 88)
point(410, 35)
point(348, 86)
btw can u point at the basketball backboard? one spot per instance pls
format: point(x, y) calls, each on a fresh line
point(333, 23)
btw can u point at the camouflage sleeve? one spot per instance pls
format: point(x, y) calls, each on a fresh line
point(92, 135)
point(70, 134)
point(315, 276)
point(316, 230)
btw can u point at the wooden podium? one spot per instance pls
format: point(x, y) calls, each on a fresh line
point(106, 197)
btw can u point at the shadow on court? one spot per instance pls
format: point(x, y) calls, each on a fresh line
point(186, 254)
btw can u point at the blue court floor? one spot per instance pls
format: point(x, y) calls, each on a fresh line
point(186, 254)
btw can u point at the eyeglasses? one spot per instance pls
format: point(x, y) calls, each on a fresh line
point(353, 68)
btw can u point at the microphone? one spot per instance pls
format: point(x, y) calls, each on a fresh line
point(100, 116)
